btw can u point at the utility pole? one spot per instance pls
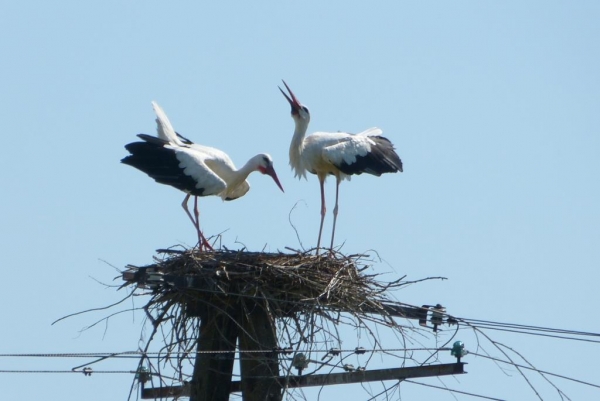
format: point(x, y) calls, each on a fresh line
point(227, 320)
point(259, 370)
point(211, 378)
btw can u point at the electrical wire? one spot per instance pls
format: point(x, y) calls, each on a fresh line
point(564, 334)
point(85, 372)
point(558, 333)
point(535, 369)
point(455, 391)
point(136, 354)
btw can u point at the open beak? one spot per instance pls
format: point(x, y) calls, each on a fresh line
point(271, 171)
point(291, 98)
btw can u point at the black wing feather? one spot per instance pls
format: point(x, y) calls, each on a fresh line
point(160, 163)
point(381, 159)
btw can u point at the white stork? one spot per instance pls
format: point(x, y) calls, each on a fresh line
point(195, 169)
point(337, 153)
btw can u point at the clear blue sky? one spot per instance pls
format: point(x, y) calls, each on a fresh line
point(493, 107)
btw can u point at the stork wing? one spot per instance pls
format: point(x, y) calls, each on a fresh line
point(164, 129)
point(373, 131)
point(193, 164)
point(347, 150)
point(366, 152)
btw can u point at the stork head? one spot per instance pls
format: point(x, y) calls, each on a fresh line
point(265, 166)
point(299, 111)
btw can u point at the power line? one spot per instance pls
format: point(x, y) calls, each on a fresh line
point(136, 354)
point(564, 334)
point(88, 372)
point(529, 327)
point(537, 334)
point(126, 354)
point(455, 391)
point(535, 369)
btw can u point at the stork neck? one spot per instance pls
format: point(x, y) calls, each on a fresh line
point(299, 134)
point(297, 147)
point(250, 166)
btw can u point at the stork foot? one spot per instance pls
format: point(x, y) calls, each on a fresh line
point(203, 244)
point(207, 247)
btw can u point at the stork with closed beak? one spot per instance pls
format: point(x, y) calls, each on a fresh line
point(194, 169)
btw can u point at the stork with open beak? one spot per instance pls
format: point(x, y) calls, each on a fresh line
point(336, 153)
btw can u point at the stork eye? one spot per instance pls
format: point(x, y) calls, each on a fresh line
point(266, 160)
point(305, 109)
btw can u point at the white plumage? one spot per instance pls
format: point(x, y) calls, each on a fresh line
point(336, 153)
point(195, 169)
point(327, 150)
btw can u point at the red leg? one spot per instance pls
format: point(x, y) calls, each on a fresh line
point(323, 210)
point(202, 241)
point(335, 211)
point(187, 211)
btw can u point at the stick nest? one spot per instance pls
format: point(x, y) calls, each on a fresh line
point(286, 283)
point(275, 302)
